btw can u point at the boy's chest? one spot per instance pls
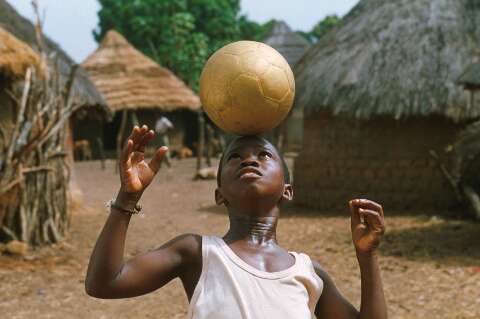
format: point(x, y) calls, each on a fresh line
point(268, 259)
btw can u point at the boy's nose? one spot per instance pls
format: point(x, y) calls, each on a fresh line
point(250, 161)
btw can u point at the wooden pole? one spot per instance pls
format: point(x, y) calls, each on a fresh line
point(201, 139)
point(101, 151)
point(123, 124)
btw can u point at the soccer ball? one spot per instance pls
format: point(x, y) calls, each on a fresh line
point(247, 88)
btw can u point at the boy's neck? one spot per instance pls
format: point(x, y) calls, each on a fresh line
point(257, 230)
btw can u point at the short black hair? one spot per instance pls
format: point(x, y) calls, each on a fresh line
point(286, 171)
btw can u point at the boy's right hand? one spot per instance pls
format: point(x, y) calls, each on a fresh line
point(135, 173)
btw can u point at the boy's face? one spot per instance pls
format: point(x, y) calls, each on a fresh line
point(252, 174)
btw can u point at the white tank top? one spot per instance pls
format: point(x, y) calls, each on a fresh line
point(229, 288)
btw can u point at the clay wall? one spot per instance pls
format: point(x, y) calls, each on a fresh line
point(382, 159)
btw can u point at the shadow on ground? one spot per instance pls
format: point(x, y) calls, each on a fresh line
point(415, 237)
point(451, 242)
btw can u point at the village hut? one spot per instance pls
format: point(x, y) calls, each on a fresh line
point(94, 111)
point(35, 195)
point(37, 185)
point(141, 91)
point(291, 46)
point(382, 102)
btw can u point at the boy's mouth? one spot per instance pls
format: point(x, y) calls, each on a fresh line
point(248, 172)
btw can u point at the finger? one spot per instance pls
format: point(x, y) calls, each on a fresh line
point(127, 150)
point(138, 137)
point(144, 129)
point(134, 135)
point(373, 220)
point(147, 137)
point(156, 161)
point(368, 204)
point(355, 218)
point(138, 143)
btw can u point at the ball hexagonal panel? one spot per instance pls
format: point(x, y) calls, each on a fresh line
point(247, 88)
point(274, 83)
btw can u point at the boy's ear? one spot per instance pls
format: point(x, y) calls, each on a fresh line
point(219, 199)
point(287, 193)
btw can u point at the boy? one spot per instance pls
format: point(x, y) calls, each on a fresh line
point(245, 274)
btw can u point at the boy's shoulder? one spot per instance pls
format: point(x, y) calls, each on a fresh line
point(321, 272)
point(188, 245)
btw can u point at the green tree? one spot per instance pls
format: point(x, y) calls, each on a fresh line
point(179, 34)
point(321, 28)
point(325, 25)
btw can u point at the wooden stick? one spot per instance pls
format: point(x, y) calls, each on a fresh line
point(201, 140)
point(123, 124)
point(20, 117)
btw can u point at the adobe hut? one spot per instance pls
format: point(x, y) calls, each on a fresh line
point(140, 91)
point(84, 93)
point(380, 97)
point(292, 46)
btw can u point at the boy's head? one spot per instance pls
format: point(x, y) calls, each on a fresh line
point(252, 172)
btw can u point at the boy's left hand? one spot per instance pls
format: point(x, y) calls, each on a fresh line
point(368, 225)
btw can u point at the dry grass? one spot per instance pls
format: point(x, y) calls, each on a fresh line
point(130, 80)
point(15, 56)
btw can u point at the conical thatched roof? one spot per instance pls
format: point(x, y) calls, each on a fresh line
point(398, 58)
point(15, 56)
point(290, 44)
point(130, 80)
point(83, 90)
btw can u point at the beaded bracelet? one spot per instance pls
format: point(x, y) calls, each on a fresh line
point(136, 210)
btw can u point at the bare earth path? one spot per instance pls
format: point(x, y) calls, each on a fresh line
point(430, 267)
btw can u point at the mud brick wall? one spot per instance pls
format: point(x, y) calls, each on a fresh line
point(381, 159)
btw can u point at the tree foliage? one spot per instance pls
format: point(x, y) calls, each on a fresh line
point(178, 34)
point(321, 28)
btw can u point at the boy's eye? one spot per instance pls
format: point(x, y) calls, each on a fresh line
point(233, 156)
point(265, 154)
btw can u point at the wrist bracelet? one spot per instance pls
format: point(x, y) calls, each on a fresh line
point(136, 210)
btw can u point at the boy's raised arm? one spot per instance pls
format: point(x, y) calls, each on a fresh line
point(107, 275)
point(366, 237)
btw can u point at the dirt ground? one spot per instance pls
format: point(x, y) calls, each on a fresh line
point(430, 266)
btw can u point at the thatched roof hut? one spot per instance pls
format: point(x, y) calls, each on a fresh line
point(22, 148)
point(396, 58)
point(84, 92)
point(130, 80)
point(143, 90)
point(289, 43)
point(380, 94)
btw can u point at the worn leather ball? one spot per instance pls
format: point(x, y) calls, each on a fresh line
point(247, 88)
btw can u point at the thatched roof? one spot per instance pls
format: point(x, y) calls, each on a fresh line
point(84, 92)
point(397, 58)
point(130, 80)
point(471, 76)
point(289, 43)
point(15, 56)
